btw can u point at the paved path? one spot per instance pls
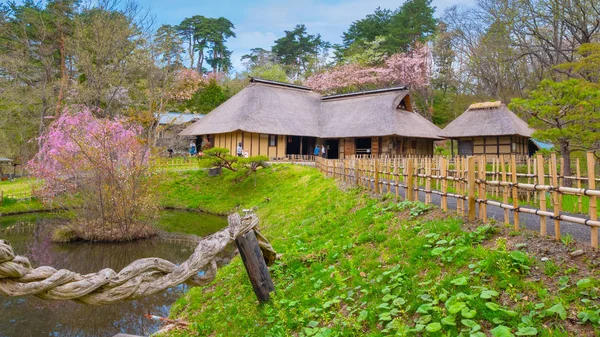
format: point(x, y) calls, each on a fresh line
point(531, 221)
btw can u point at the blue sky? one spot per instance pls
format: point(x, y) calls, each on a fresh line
point(259, 23)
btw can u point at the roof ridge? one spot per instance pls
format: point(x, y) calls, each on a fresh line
point(277, 83)
point(366, 92)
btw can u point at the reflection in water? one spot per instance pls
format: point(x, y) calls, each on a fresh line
point(30, 316)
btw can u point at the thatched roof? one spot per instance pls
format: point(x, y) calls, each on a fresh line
point(280, 108)
point(177, 118)
point(487, 119)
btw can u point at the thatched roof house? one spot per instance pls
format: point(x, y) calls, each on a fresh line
point(293, 119)
point(490, 128)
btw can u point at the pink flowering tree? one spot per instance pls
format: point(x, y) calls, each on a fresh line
point(100, 169)
point(412, 68)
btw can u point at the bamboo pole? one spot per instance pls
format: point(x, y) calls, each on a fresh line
point(555, 197)
point(427, 181)
point(482, 189)
point(396, 176)
point(580, 198)
point(528, 177)
point(541, 177)
point(409, 179)
point(592, 185)
point(471, 187)
point(444, 182)
point(458, 184)
point(515, 192)
point(504, 190)
point(376, 175)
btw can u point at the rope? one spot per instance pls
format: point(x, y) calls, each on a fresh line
point(140, 278)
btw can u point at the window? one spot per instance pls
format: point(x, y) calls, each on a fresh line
point(272, 140)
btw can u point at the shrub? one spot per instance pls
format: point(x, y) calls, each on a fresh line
point(100, 168)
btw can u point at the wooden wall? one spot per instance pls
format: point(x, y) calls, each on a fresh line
point(495, 145)
point(256, 144)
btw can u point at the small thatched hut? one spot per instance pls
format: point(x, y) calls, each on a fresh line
point(279, 119)
point(490, 128)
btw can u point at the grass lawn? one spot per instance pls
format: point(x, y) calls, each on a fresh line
point(20, 186)
point(357, 265)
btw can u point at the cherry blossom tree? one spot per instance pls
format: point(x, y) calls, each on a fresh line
point(412, 68)
point(100, 169)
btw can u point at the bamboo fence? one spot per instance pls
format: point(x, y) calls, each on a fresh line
point(535, 186)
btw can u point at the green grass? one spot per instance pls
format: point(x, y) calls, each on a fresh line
point(21, 186)
point(353, 265)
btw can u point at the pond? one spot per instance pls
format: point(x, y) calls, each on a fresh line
point(29, 316)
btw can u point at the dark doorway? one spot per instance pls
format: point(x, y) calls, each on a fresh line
point(333, 148)
point(465, 147)
point(300, 145)
point(532, 148)
point(363, 145)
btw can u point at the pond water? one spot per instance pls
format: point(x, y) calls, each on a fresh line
point(29, 316)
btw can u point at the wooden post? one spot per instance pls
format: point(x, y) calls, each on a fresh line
point(471, 187)
point(409, 179)
point(482, 188)
point(376, 175)
point(256, 267)
point(541, 181)
point(515, 191)
point(555, 197)
point(458, 184)
point(356, 171)
point(1, 197)
point(443, 174)
point(580, 197)
point(504, 190)
point(528, 178)
point(561, 181)
point(428, 181)
point(397, 176)
point(592, 186)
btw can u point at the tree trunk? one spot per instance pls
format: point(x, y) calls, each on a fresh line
point(565, 152)
point(215, 61)
point(200, 60)
point(63, 76)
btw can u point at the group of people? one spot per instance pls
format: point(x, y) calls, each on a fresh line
point(241, 152)
point(320, 150)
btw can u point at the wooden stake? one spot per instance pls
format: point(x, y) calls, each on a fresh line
point(579, 197)
point(255, 266)
point(397, 175)
point(482, 189)
point(515, 191)
point(376, 175)
point(458, 184)
point(541, 181)
point(592, 186)
point(471, 187)
point(555, 197)
point(427, 181)
point(444, 182)
point(561, 181)
point(504, 190)
point(409, 179)
point(528, 178)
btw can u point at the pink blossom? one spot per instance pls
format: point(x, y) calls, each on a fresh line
point(412, 68)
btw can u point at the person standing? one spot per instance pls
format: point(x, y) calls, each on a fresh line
point(192, 148)
point(323, 151)
point(317, 150)
point(240, 150)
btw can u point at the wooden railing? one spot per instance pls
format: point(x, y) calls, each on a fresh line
point(539, 184)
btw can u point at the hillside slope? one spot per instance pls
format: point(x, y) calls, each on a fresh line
point(356, 265)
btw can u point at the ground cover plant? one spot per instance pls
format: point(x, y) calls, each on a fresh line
point(354, 264)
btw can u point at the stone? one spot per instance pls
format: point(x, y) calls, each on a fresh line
point(215, 171)
point(544, 259)
point(576, 253)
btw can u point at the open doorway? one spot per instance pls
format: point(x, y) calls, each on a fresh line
point(363, 145)
point(333, 148)
point(300, 145)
